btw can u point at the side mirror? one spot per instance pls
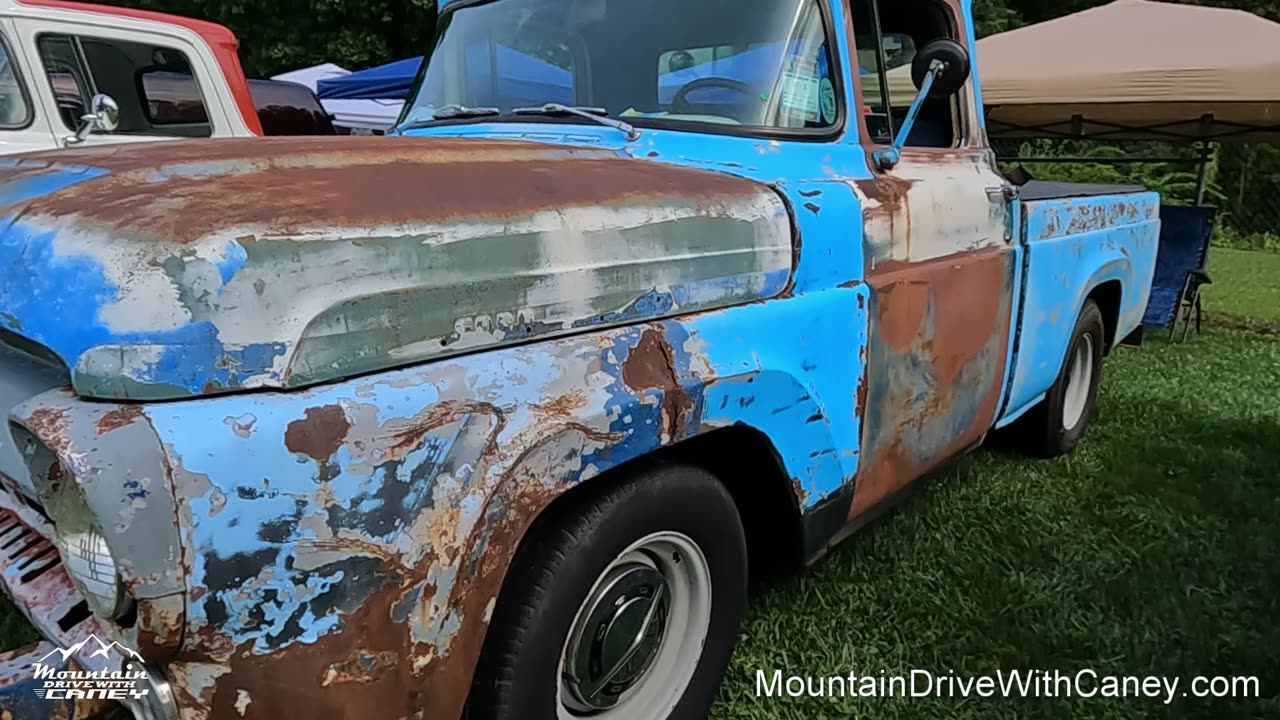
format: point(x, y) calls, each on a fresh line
point(955, 62)
point(104, 114)
point(940, 69)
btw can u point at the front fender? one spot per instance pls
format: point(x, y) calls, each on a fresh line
point(344, 545)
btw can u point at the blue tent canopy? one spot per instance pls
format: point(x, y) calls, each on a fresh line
point(384, 82)
point(522, 79)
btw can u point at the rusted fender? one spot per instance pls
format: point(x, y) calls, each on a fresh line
point(343, 546)
point(161, 272)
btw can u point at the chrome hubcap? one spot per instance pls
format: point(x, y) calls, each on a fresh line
point(1079, 379)
point(638, 636)
point(617, 639)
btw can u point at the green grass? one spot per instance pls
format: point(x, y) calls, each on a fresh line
point(1153, 550)
point(1245, 285)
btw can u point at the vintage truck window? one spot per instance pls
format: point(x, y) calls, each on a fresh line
point(15, 110)
point(154, 86)
point(887, 35)
point(755, 64)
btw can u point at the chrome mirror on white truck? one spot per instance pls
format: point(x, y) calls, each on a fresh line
point(940, 69)
point(104, 114)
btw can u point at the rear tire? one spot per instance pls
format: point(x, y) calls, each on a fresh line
point(657, 564)
point(1058, 423)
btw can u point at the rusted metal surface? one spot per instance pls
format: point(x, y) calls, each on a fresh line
point(1054, 219)
point(287, 262)
point(342, 547)
point(942, 276)
point(937, 362)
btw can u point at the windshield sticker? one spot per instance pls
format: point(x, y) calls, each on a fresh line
point(827, 99)
point(800, 90)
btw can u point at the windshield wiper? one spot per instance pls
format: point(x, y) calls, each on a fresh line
point(449, 112)
point(594, 114)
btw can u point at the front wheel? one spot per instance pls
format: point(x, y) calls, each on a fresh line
point(624, 605)
point(1056, 425)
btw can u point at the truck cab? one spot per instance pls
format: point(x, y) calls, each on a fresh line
point(78, 74)
point(500, 415)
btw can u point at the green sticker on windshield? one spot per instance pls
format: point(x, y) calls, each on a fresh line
point(827, 100)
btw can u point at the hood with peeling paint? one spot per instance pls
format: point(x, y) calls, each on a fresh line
point(173, 271)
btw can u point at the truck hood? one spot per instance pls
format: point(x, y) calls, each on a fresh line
point(174, 270)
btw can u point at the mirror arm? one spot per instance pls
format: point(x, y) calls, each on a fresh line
point(88, 121)
point(886, 159)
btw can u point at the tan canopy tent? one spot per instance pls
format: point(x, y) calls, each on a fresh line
point(1136, 69)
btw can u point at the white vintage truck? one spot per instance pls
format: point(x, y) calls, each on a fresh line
point(82, 74)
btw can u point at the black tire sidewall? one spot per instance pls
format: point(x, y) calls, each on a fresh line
point(671, 498)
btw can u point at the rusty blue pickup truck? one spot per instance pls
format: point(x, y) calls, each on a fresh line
point(497, 417)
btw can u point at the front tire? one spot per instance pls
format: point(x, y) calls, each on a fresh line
point(624, 604)
point(1057, 425)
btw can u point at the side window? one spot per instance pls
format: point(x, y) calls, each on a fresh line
point(154, 86)
point(67, 77)
point(15, 110)
point(171, 97)
point(887, 35)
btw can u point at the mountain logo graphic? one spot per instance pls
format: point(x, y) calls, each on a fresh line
point(94, 648)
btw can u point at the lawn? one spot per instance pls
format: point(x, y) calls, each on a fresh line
point(1153, 550)
point(1246, 285)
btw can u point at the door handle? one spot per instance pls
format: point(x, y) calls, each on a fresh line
point(1007, 192)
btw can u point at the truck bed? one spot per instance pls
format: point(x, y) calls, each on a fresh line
point(1080, 241)
point(1051, 190)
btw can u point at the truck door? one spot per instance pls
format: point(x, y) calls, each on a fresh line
point(155, 83)
point(23, 125)
point(940, 259)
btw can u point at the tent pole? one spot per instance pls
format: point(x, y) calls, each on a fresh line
point(1203, 182)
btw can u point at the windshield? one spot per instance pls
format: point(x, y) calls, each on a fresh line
point(756, 63)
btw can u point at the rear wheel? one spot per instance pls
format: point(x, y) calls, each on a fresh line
point(623, 606)
point(1056, 426)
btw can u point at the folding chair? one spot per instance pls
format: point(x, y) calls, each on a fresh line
point(1181, 269)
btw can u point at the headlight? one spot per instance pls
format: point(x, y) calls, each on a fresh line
point(85, 553)
point(93, 570)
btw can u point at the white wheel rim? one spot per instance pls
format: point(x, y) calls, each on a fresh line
point(668, 663)
point(1079, 380)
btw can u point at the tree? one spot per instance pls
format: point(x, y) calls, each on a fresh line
point(281, 35)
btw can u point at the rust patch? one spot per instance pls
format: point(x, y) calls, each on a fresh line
point(888, 191)
point(651, 366)
point(938, 349)
point(118, 418)
point(406, 437)
point(50, 425)
point(319, 434)
point(281, 186)
point(567, 405)
point(359, 667)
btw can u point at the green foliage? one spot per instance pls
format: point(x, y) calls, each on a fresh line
point(1228, 237)
point(1176, 182)
point(281, 35)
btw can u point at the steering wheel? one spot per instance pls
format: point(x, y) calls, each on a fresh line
point(680, 103)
